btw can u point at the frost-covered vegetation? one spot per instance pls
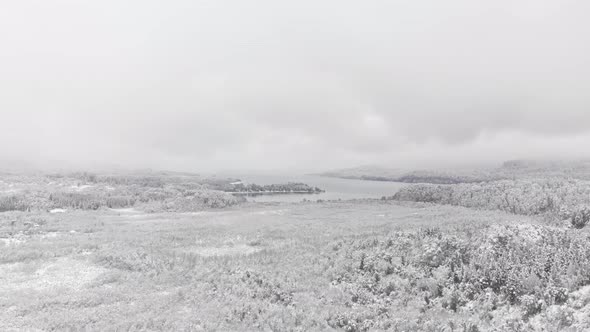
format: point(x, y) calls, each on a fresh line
point(483, 256)
point(305, 267)
point(151, 192)
point(557, 198)
point(500, 278)
point(86, 191)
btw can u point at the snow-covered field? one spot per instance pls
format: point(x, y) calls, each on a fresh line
point(282, 267)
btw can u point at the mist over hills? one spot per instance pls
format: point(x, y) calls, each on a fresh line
point(511, 169)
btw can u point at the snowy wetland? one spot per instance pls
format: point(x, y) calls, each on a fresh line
point(162, 252)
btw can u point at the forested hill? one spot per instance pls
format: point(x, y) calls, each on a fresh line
point(509, 170)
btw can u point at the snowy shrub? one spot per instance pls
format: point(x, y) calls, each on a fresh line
point(14, 203)
point(580, 217)
point(76, 200)
point(526, 197)
point(115, 202)
point(526, 266)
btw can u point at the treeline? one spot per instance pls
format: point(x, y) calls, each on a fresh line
point(274, 188)
point(432, 177)
point(90, 201)
point(448, 178)
point(567, 199)
point(86, 191)
point(509, 170)
point(149, 180)
point(177, 201)
point(154, 181)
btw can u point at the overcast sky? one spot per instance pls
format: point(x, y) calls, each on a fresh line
point(294, 85)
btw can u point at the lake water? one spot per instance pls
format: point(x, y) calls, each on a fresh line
point(335, 188)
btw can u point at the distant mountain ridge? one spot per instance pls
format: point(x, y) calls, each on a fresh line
point(512, 169)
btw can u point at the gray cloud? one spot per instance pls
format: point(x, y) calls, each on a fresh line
point(302, 85)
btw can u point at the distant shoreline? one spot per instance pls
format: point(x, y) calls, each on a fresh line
point(261, 193)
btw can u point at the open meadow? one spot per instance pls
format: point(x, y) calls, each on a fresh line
point(332, 266)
